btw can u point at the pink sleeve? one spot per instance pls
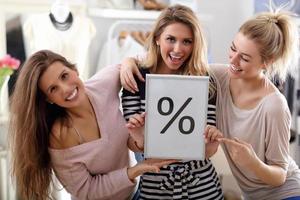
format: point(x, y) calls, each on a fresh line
point(78, 181)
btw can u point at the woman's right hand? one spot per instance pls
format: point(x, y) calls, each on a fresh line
point(128, 69)
point(149, 165)
point(135, 127)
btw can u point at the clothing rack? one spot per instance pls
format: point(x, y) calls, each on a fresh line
point(128, 25)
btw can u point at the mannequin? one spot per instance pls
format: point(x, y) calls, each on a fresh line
point(63, 32)
point(60, 15)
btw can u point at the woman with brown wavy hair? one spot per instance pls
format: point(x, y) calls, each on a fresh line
point(76, 130)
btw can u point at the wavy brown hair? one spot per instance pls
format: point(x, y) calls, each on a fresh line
point(31, 121)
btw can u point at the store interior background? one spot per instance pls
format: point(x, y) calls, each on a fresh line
point(96, 48)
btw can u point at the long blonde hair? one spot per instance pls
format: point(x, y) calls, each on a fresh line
point(197, 63)
point(30, 125)
point(277, 37)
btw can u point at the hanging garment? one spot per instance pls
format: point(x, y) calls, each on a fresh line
point(114, 51)
point(72, 43)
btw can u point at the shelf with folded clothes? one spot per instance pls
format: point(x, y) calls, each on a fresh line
point(123, 14)
point(132, 14)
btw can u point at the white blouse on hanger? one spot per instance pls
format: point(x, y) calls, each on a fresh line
point(114, 51)
point(73, 43)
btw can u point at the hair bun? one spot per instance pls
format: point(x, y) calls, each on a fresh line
point(272, 20)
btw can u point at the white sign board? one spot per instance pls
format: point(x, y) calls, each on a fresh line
point(176, 110)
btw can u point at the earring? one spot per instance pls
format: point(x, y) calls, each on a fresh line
point(50, 102)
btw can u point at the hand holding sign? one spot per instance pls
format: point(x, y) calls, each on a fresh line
point(176, 108)
point(136, 121)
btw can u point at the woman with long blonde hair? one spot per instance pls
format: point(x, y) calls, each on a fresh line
point(176, 45)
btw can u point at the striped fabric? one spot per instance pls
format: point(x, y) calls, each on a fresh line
point(182, 180)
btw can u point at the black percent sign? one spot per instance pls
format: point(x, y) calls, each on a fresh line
point(170, 110)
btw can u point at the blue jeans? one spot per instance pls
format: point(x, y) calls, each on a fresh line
point(136, 195)
point(292, 198)
point(139, 156)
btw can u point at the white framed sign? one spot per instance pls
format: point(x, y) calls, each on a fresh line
point(176, 111)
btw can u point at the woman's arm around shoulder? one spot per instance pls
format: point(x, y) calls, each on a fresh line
point(129, 68)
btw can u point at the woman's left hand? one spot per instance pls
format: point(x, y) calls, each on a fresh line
point(212, 136)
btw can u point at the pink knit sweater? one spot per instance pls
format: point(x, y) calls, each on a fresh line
point(98, 169)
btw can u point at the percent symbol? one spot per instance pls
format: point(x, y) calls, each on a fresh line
point(181, 120)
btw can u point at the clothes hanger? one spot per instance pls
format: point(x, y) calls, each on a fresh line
point(60, 15)
point(123, 34)
point(137, 37)
point(152, 5)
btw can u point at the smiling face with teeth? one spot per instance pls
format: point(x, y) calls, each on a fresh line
point(245, 59)
point(61, 85)
point(175, 46)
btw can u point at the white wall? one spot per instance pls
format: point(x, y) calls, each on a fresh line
point(228, 15)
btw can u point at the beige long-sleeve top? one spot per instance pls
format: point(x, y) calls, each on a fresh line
point(267, 128)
